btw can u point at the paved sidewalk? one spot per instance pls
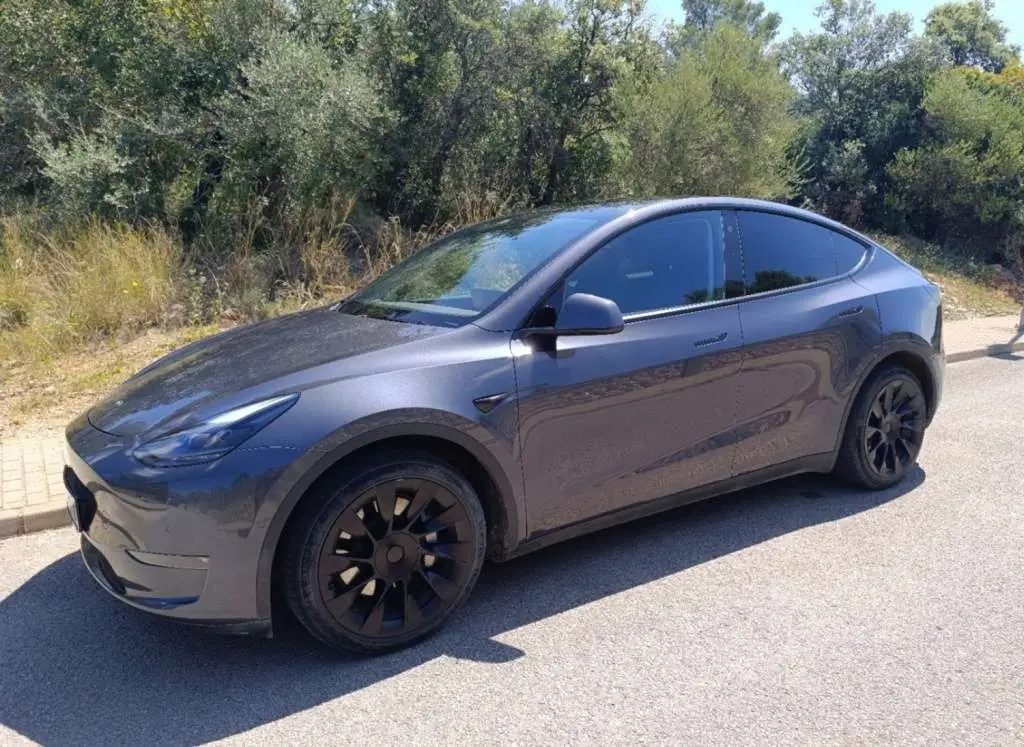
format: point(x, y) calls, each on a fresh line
point(32, 489)
point(976, 338)
point(31, 486)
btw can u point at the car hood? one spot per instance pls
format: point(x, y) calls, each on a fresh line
point(229, 368)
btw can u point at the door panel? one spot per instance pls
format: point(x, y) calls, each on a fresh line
point(804, 349)
point(611, 421)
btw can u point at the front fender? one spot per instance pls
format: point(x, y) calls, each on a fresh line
point(485, 445)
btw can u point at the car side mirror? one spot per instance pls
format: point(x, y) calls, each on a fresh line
point(585, 314)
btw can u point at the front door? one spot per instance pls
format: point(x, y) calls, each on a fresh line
point(610, 421)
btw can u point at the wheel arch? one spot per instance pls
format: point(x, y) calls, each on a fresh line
point(912, 360)
point(917, 365)
point(484, 472)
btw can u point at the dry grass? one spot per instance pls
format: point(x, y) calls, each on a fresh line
point(61, 291)
point(80, 310)
point(42, 397)
point(969, 288)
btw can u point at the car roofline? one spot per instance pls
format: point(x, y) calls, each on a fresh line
point(510, 314)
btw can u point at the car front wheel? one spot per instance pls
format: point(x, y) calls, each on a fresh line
point(384, 554)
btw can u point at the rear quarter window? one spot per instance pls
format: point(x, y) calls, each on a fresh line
point(848, 252)
point(782, 252)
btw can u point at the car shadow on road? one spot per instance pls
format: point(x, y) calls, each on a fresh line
point(76, 667)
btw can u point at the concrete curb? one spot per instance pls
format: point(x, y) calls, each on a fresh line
point(54, 514)
point(992, 351)
point(50, 515)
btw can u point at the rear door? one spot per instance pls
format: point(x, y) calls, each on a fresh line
point(610, 421)
point(809, 332)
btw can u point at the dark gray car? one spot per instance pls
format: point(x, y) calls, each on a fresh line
point(514, 384)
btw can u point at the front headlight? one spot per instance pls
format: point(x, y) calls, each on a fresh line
point(215, 437)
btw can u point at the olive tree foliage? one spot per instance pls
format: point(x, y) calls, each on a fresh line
point(604, 46)
point(138, 108)
point(224, 118)
point(301, 129)
point(518, 99)
point(545, 103)
point(717, 121)
point(907, 133)
point(700, 16)
point(718, 118)
point(198, 111)
point(861, 80)
point(436, 62)
point(966, 181)
point(85, 103)
point(194, 112)
point(970, 36)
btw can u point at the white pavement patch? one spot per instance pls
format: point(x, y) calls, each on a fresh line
point(31, 486)
point(30, 472)
point(796, 613)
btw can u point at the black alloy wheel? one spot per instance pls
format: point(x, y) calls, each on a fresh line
point(395, 557)
point(385, 554)
point(894, 428)
point(884, 431)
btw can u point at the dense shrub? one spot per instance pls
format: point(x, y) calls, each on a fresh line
point(238, 157)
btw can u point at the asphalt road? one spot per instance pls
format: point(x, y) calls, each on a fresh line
point(799, 613)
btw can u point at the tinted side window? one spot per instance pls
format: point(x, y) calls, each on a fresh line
point(662, 264)
point(780, 252)
point(848, 252)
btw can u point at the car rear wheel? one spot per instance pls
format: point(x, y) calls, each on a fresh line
point(384, 555)
point(885, 430)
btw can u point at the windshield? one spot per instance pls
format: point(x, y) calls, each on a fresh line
point(456, 279)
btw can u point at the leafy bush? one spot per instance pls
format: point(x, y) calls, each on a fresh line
point(302, 129)
point(717, 122)
point(965, 182)
point(237, 158)
point(88, 176)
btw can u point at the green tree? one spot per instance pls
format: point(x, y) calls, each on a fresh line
point(967, 181)
point(222, 118)
point(437, 64)
point(717, 122)
point(861, 80)
point(302, 130)
point(701, 16)
point(108, 104)
point(970, 35)
point(605, 45)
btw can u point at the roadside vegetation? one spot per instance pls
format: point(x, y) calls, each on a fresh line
point(970, 287)
point(172, 167)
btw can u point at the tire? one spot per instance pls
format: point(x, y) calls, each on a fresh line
point(883, 437)
point(384, 553)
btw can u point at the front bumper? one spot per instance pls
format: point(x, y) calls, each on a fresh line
point(164, 581)
point(146, 580)
point(146, 586)
point(183, 545)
